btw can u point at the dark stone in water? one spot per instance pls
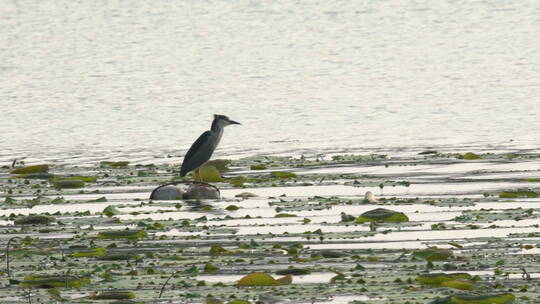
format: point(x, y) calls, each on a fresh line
point(202, 191)
point(185, 191)
point(169, 192)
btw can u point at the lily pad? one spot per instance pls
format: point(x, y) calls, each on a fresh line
point(123, 234)
point(221, 164)
point(31, 169)
point(433, 254)
point(382, 215)
point(257, 279)
point(110, 211)
point(477, 299)
point(461, 284)
point(67, 183)
point(435, 279)
point(114, 295)
point(100, 251)
point(283, 174)
point(34, 220)
point(258, 167)
point(518, 193)
point(209, 174)
point(43, 281)
point(114, 164)
point(470, 156)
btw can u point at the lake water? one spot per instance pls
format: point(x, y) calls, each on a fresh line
point(91, 77)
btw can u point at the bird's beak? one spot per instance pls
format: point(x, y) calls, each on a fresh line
point(232, 122)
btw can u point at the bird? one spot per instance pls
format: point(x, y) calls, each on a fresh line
point(201, 150)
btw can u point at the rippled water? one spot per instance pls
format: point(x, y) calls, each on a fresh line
point(95, 77)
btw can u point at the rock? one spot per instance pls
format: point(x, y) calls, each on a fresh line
point(183, 191)
point(201, 191)
point(168, 192)
point(370, 197)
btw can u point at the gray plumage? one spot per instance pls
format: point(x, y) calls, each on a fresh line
point(202, 149)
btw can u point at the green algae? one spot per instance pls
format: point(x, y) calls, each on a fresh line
point(382, 215)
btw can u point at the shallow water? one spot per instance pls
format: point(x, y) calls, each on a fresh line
point(132, 79)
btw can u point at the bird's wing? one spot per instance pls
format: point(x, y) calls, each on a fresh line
point(198, 154)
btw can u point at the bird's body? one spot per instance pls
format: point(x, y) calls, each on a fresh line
point(202, 149)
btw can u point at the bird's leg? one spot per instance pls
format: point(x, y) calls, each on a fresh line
point(198, 174)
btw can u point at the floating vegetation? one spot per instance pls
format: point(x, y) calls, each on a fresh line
point(433, 254)
point(114, 164)
point(258, 167)
point(263, 279)
point(283, 174)
point(111, 211)
point(470, 156)
point(209, 174)
point(34, 219)
point(31, 169)
point(477, 299)
point(95, 252)
point(309, 234)
point(47, 281)
point(518, 193)
point(114, 295)
point(123, 234)
point(382, 215)
point(67, 183)
point(436, 279)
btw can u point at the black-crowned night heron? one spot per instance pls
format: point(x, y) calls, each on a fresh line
point(202, 149)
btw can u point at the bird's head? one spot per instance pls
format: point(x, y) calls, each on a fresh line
point(223, 121)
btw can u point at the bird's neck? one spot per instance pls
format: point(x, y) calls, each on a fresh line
point(216, 127)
